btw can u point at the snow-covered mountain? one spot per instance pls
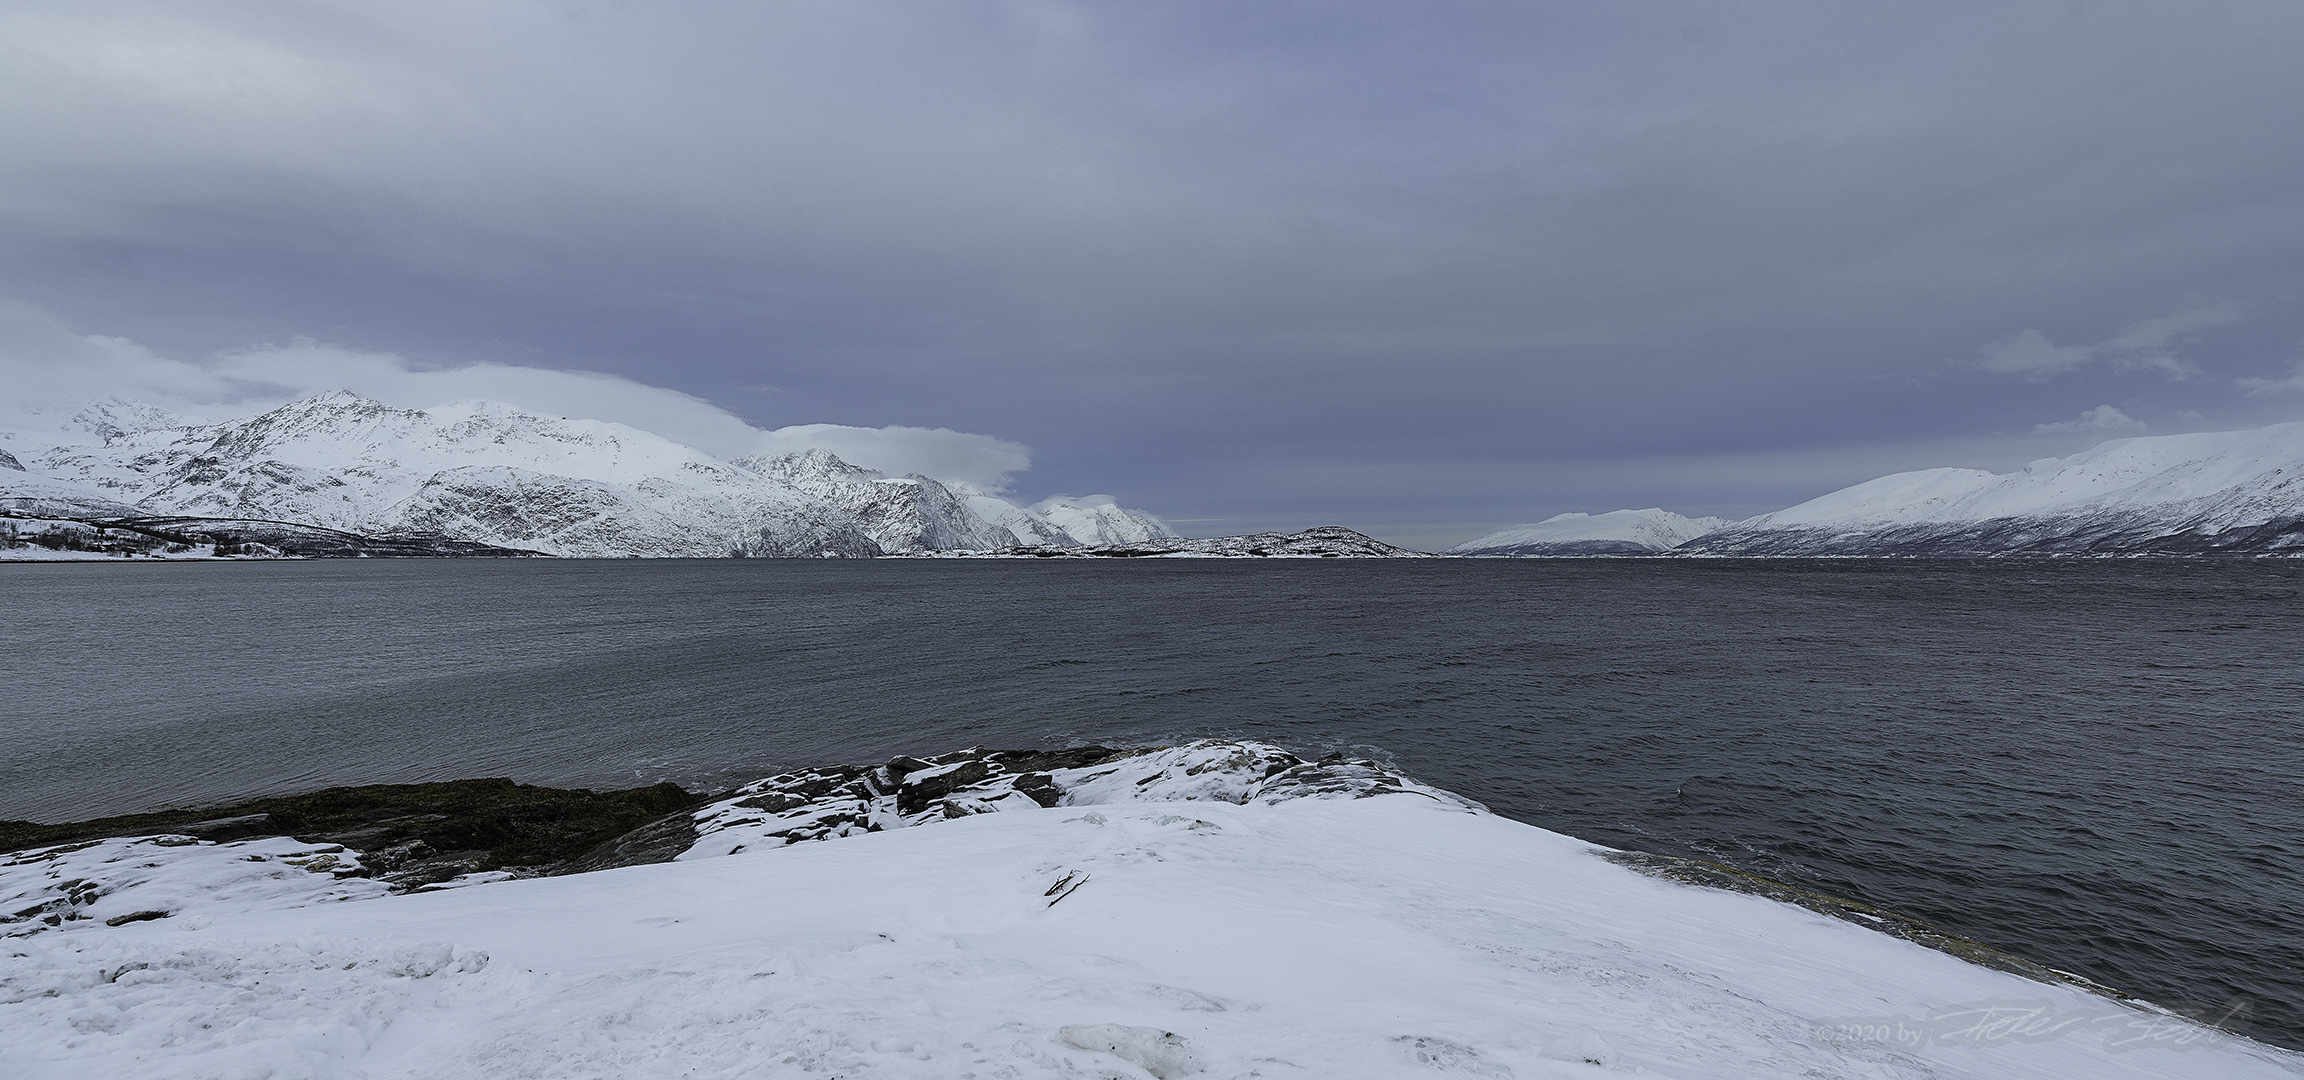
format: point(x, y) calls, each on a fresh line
point(1618, 532)
point(1324, 542)
point(1070, 520)
point(2225, 492)
point(29, 493)
point(491, 473)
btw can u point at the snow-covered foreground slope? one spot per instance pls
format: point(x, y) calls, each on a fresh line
point(1146, 925)
point(490, 473)
point(1617, 532)
point(2212, 492)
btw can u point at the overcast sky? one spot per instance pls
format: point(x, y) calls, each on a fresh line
point(1419, 268)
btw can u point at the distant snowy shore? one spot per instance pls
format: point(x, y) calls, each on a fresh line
point(1323, 542)
point(2215, 493)
point(1218, 909)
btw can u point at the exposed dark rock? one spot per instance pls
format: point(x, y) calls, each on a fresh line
point(1078, 757)
point(415, 834)
point(774, 802)
point(924, 786)
point(1040, 788)
point(901, 764)
point(231, 828)
point(435, 870)
point(661, 840)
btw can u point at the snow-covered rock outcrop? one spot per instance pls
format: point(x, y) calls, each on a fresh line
point(834, 801)
point(1618, 532)
point(2226, 492)
point(496, 475)
point(1216, 909)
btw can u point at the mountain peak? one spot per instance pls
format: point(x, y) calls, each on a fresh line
point(113, 418)
point(335, 399)
point(807, 464)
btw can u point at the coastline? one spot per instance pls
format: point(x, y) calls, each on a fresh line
point(1215, 907)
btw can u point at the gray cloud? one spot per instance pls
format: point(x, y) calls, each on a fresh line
point(2101, 420)
point(51, 371)
point(2293, 382)
point(1269, 264)
point(2146, 345)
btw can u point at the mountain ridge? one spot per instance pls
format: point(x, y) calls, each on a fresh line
point(497, 475)
point(2232, 493)
point(2202, 493)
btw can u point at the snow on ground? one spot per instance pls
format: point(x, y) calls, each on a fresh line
point(134, 879)
point(15, 547)
point(1398, 934)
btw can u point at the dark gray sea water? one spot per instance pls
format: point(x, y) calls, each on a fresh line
point(2092, 764)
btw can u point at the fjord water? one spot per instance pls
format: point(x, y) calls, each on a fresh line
point(2092, 764)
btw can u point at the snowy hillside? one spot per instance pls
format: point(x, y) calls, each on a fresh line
point(1217, 909)
point(32, 494)
point(489, 473)
point(1618, 532)
point(2235, 492)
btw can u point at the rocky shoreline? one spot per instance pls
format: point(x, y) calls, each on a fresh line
point(422, 837)
point(409, 836)
point(1250, 872)
point(398, 838)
